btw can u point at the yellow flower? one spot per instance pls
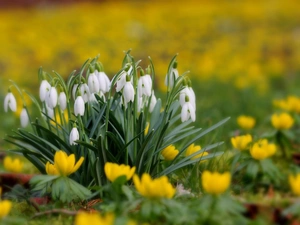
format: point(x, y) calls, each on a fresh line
point(194, 148)
point(246, 122)
point(113, 171)
point(84, 218)
point(64, 165)
point(262, 149)
point(154, 188)
point(214, 182)
point(170, 152)
point(5, 207)
point(282, 121)
point(241, 142)
point(294, 181)
point(12, 165)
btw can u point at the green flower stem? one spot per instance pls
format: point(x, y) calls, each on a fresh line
point(280, 140)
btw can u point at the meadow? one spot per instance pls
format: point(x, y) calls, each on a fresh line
point(241, 59)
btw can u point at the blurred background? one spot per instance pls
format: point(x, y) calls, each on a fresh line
point(240, 54)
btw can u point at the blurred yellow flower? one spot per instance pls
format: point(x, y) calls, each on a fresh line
point(170, 152)
point(294, 181)
point(84, 218)
point(246, 122)
point(114, 170)
point(291, 104)
point(12, 165)
point(5, 207)
point(194, 148)
point(154, 188)
point(214, 182)
point(146, 129)
point(241, 142)
point(64, 165)
point(282, 121)
point(262, 149)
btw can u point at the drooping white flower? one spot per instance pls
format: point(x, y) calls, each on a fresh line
point(171, 77)
point(62, 100)
point(121, 81)
point(188, 111)
point(44, 88)
point(92, 98)
point(10, 102)
point(145, 85)
point(187, 92)
point(104, 82)
point(74, 89)
point(24, 118)
point(74, 136)
point(128, 92)
point(48, 111)
point(51, 98)
point(140, 104)
point(79, 106)
point(153, 102)
point(93, 83)
point(85, 92)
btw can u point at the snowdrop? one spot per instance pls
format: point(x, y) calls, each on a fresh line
point(171, 77)
point(93, 83)
point(24, 118)
point(85, 92)
point(128, 92)
point(10, 102)
point(51, 98)
point(79, 106)
point(44, 88)
point(62, 101)
point(188, 111)
point(74, 136)
point(145, 85)
point(152, 102)
point(48, 111)
point(104, 82)
point(123, 78)
point(187, 91)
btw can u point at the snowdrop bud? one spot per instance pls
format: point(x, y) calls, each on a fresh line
point(128, 92)
point(44, 88)
point(145, 85)
point(187, 112)
point(24, 118)
point(93, 83)
point(10, 102)
point(85, 92)
point(62, 101)
point(171, 78)
point(74, 136)
point(104, 82)
point(51, 98)
point(153, 102)
point(79, 106)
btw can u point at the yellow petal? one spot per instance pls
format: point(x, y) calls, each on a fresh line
point(77, 165)
point(5, 207)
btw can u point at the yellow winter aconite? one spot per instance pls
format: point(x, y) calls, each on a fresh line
point(84, 218)
point(154, 188)
point(246, 122)
point(262, 149)
point(214, 182)
point(291, 104)
point(12, 165)
point(282, 121)
point(5, 207)
point(114, 170)
point(64, 165)
point(170, 152)
point(241, 142)
point(294, 181)
point(194, 148)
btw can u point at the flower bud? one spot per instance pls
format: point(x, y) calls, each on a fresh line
point(10, 102)
point(51, 98)
point(24, 118)
point(44, 88)
point(62, 101)
point(74, 136)
point(79, 106)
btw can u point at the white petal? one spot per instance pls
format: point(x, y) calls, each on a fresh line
point(93, 83)
point(128, 92)
point(104, 82)
point(24, 118)
point(51, 97)
point(62, 100)
point(10, 102)
point(44, 88)
point(49, 112)
point(153, 102)
point(74, 136)
point(85, 92)
point(79, 106)
point(121, 81)
point(74, 89)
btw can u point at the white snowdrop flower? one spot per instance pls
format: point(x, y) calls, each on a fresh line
point(51, 97)
point(188, 111)
point(24, 118)
point(152, 102)
point(171, 78)
point(44, 88)
point(121, 81)
point(10, 102)
point(140, 104)
point(85, 92)
point(93, 83)
point(48, 111)
point(62, 100)
point(128, 92)
point(187, 92)
point(92, 98)
point(74, 136)
point(104, 82)
point(79, 106)
point(74, 89)
point(192, 97)
point(145, 85)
